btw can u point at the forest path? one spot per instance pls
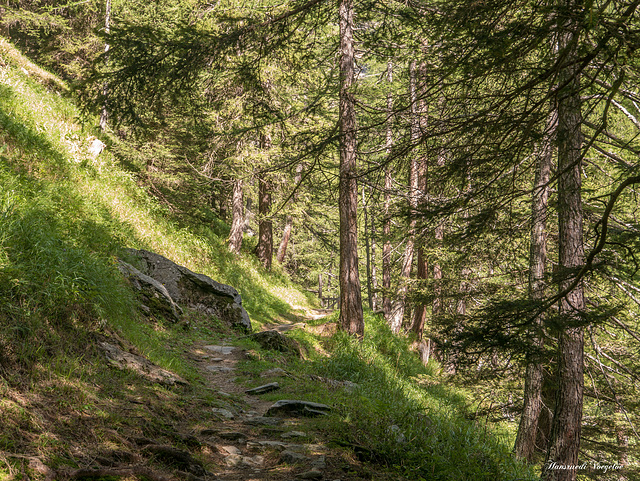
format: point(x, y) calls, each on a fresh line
point(248, 445)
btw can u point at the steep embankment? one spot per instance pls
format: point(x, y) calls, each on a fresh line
point(67, 413)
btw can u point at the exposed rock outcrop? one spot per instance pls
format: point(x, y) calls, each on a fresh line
point(155, 296)
point(195, 291)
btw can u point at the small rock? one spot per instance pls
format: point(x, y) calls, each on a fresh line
point(293, 434)
point(233, 460)
point(275, 372)
point(400, 437)
point(230, 450)
point(214, 368)
point(319, 462)
point(272, 386)
point(288, 407)
point(313, 474)
point(292, 457)
point(223, 413)
point(274, 444)
point(225, 394)
point(224, 350)
point(262, 421)
point(232, 436)
point(253, 461)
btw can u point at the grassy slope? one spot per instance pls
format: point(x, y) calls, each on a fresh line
point(63, 218)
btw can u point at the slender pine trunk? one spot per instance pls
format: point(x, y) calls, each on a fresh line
point(367, 247)
point(567, 418)
point(264, 249)
point(286, 235)
point(527, 431)
point(351, 315)
point(398, 305)
point(237, 217)
point(104, 114)
point(386, 226)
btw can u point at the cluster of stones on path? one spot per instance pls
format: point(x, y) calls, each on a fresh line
point(249, 456)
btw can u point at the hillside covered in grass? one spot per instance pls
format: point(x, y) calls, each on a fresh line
point(66, 413)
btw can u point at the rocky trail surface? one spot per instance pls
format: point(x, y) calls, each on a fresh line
point(257, 439)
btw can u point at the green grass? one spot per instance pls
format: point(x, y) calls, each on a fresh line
point(402, 415)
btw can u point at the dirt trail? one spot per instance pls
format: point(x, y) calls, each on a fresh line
point(250, 446)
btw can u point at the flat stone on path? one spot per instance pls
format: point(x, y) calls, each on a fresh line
point(232, 436)
point(224, 350)
point(272, 386)
point(224, 413)
point(292, 457)
point(293, 434)
point(230, 450)
point(288, 407)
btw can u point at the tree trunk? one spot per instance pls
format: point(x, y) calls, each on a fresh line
point(386, 226)
point(420, 314)
point(374, 278)
point(104, 114)
point(366, 248)
point(567, 418)
point(264, 249)
point(351, 315)
point(399, 303)
point(286, 235)
point(527, 430)
point(237, 214)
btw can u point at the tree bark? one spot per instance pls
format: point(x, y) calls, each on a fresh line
point(399, 303)
point(527, 431)
point(264, 249)
point(104, 114)
point(420, 314)
point(567, 419)
point(366, 248)
point(386, 226)
point(374, 275)
point(286, 235)
point(237, 214)
point(351, 315)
